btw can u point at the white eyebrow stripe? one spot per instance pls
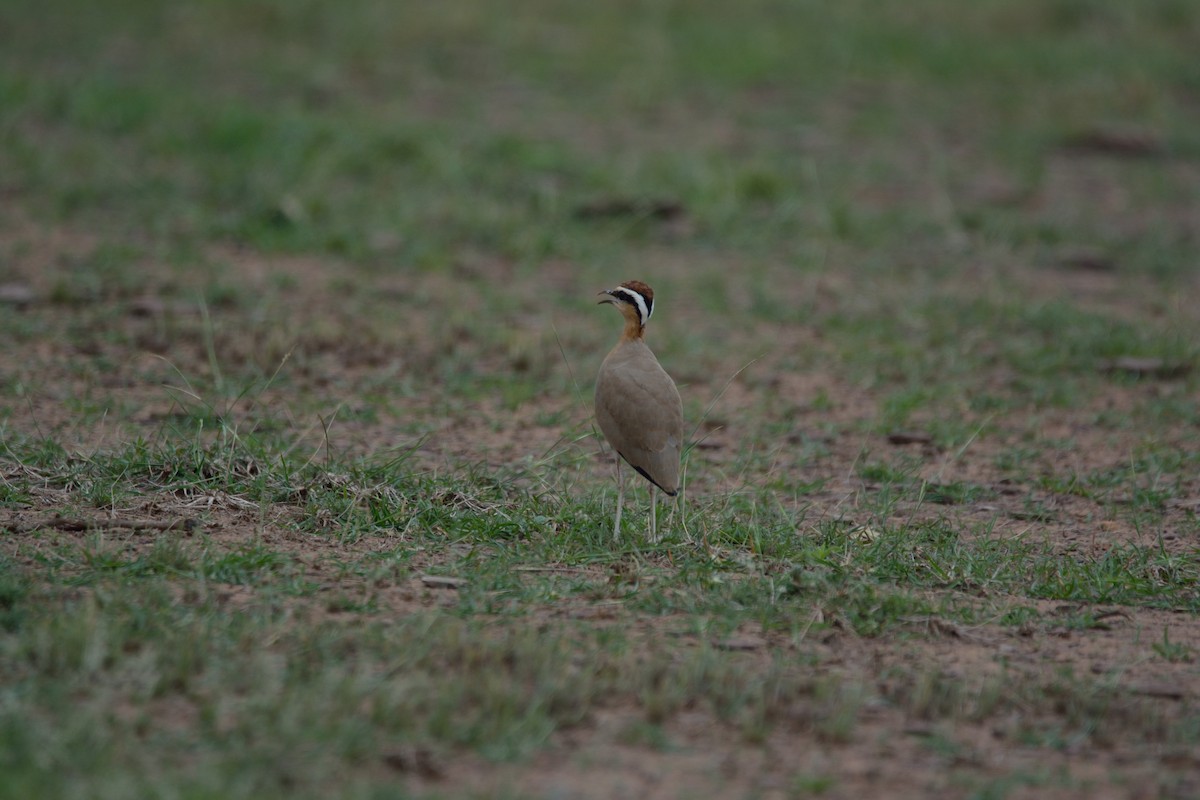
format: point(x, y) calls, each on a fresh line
point(637, 299)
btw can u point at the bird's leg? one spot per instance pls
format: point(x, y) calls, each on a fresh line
point(620, 502)
point(653, 514)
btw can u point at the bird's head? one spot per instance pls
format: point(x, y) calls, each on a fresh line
point(634, 299)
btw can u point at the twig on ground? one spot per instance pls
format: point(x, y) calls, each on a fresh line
point(187, 525)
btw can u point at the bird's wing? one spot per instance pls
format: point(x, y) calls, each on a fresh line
point(640, 413)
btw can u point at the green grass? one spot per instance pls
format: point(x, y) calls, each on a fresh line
point(318, 280)
point(747, 558)
point(131, 656)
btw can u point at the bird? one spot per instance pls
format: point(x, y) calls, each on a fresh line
point(638, 406)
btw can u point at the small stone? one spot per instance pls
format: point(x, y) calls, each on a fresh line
point(16, 294)
point(443, 581)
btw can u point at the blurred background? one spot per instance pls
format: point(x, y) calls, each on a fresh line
point(877, 216)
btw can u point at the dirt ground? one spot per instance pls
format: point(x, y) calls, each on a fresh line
point(113, 347)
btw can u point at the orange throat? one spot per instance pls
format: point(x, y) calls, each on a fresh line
point(634, 329)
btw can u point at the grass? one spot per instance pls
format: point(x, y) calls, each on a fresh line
point(317, 280)
point(140, 656)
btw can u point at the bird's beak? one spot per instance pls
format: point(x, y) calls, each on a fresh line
point(606, 297)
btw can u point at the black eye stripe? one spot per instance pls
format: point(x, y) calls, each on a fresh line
point(637, 300)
